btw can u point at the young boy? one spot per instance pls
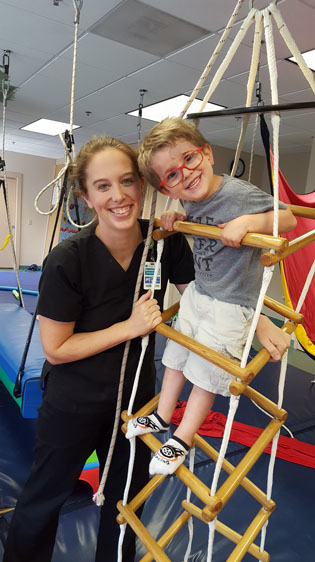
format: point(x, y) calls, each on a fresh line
point(217, 308)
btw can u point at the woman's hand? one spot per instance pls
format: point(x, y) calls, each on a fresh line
point(145, 316)
point(273, 339)
point(62, 345)
point(169, 217)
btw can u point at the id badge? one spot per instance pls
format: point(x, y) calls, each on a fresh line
point(149, 269)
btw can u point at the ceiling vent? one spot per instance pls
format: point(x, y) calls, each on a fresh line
point(148, 29)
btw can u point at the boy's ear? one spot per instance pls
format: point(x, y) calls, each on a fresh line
point(207, 150)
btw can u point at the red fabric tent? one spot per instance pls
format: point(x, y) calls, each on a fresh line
point(297, 265)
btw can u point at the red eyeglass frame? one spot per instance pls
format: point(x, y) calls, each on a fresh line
point(180, 168)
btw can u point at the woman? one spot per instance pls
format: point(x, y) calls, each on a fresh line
point(85, 316)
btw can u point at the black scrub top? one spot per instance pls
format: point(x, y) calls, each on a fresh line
point(82, 282)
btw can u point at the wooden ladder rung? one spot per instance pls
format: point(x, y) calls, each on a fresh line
point(227, 532)
point(143, 534)
point(232, 482)
point(169, 534)
point(249, 536)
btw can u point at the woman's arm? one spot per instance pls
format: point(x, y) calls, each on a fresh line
point(62, 345)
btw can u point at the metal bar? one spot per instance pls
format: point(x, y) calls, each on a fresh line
point(253, 109)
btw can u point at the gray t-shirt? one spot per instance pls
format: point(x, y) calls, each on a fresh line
point(229, 274)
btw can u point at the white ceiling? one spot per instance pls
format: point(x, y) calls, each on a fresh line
point(110, 73)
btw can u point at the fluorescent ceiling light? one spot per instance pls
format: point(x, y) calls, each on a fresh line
point(172, 108)
point(309, 57)
point(48, 127)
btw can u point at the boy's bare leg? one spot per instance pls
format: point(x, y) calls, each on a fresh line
point(199, 403)
point(173, 453)
point(173, 382)
point(172, 385)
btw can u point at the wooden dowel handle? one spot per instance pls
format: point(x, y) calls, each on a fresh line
point(267, 259)
point(160, 234)
point(284, 310)
point(306, 212)
point(251, 239)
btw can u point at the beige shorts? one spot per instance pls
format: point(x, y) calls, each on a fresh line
point(219, 325)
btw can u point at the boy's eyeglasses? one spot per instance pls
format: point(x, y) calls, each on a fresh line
point(191, 161)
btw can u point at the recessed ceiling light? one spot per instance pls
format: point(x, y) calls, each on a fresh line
point(309, 57)
point(172, 108)
point(48, 127)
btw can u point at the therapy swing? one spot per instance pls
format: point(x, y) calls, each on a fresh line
point(214, 500)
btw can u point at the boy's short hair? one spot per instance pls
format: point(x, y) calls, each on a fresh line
point(166, 133)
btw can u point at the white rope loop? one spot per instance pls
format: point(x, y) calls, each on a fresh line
point(55, 183)
point(77, 4)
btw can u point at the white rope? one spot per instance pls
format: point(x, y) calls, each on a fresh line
point(213, 58)
point(271, 417)
point(234, 400)
point(272, 460)
point(301, 238)
point(55, 183)
point(306, 287)
point(252, 148)
point(123, 526)
point(233, 405)
point(188, 496)
point(68, 199)
point(5, 90)
point(275, 117)
point(144, 345)
point(98, 497)
point(287, 37)
point(230, 54)
point(250, 87)
point(255, 57)
point(245, 121)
